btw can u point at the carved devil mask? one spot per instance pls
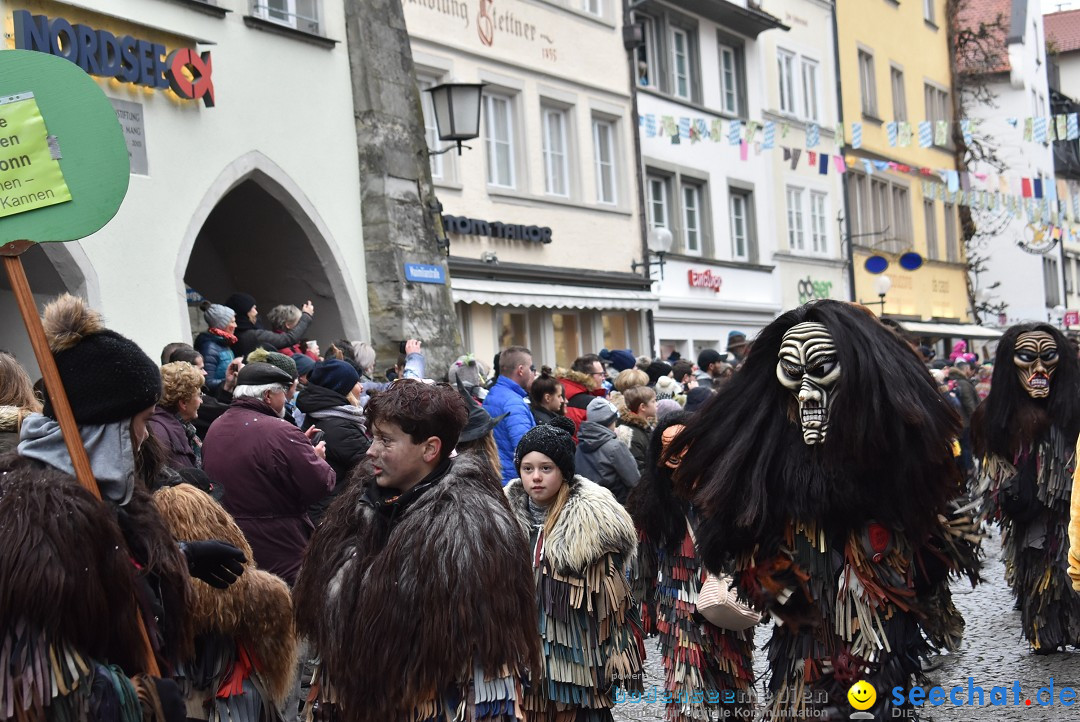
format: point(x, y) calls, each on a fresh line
point(809, 369)
point(1036, 358)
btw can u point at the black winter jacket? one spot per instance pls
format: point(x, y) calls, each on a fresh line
point(250, 336)
point(343, 426)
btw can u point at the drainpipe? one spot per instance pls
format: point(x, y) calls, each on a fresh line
point(844, 177)
point(639, 174)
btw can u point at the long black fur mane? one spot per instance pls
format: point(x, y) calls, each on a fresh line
point(887, 455)
point(1009, 417)
point(656, 506)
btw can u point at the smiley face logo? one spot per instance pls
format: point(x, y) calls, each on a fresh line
point(862, 695)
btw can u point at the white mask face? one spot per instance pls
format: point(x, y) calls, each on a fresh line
point(808, 367)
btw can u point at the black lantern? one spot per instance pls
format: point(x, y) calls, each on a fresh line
point(457, 111)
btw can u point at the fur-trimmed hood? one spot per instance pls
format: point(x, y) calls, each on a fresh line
point(628, 419)
point(590, 525)
point(584, 380)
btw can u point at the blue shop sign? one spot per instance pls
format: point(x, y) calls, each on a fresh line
point(420, 273)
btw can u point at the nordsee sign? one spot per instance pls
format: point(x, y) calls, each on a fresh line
point(420, 273)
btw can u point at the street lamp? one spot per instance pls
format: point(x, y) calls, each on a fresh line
point(882, 284)
point(659, 243)
point(457, 112)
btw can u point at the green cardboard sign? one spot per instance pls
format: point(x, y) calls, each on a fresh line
point(71, 185)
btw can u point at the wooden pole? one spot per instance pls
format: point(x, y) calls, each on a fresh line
point(20, 287)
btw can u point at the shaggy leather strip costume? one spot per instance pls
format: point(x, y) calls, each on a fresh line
point(1026, 431)
point(824, 474)
point(701, 661)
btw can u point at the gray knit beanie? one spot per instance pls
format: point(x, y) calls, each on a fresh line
point(218, 316)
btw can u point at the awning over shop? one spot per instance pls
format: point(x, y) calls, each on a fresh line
point(502, 293)
point(952, 330)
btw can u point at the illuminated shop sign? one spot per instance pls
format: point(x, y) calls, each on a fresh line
point(704, 279)
point(126, 58)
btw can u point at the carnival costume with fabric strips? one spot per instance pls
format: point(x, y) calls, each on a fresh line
point(244, 640)
point(588, 626)
point(701, 660)
point(1026, 432)
point(419, 604)
point(824, 473)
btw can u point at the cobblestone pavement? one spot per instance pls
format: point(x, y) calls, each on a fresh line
point(994, 653)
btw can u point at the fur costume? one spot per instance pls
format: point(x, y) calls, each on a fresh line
point(704, 665)
point(587, 618)
point(68, 606)
point(420, 604)
point(822, 480)
point(244, 638)
point(1028, 446)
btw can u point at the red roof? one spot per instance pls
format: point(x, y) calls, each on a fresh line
point(972, 16)
point(1063, 30)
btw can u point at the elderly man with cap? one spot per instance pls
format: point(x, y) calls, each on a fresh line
point(270, 470)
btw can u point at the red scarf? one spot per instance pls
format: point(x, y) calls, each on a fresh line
point(224, 335)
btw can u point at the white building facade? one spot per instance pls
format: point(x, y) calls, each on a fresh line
point(257, 192)
point(699, 67)
point(542, 213)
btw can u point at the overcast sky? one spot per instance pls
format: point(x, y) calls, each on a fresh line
point(1052, 6)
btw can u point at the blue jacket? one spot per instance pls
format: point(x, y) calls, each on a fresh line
point(506, 397)
point(217, 355)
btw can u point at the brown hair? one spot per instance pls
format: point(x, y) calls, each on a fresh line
point(485, 449)
point(630, 378)
point(179, 382)
point(422, 411)
point(511, 358)
point(543, 385)
point(16, 389)
point(635, 396)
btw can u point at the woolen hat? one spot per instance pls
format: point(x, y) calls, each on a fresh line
point(657, 369)
point(241, 303)
point(620, 359)
point(601, 411)
point(304, 364)
point(283, 362)
point(563, 422)
point(666, 388)
point(218, 316)
point(107, 377)
point(552, 442)
point(260, 374)
point(697, 397)
point(335, 375)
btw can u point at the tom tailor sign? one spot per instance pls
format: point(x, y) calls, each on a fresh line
point(496, 229)
point(125, 58)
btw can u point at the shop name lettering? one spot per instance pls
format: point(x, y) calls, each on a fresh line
point(489, 21)
point(128, 59)
point(704, 279)
point(12, 163)
point(810, 290)
point(495, 229)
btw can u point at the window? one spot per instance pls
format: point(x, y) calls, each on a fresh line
point(499, 126)
point(930, 218)
point(741, 210)
point(680, 63)
point(299, 14)
point(567, 332)
point(647, 53)
point(658, 202)
point(819, 223)
point(1070, 276)
point(879, 208)
point(937, 105)
point(729, 80)
point(786, 62)
point(795, 220)
point(859, 203)
point(952, 245)
point(901, 214)
point(513, 329)
point(928, 11)
point(867, 84)
point(593, 7)
point(810, 89)
point(1050, 281)
point(899, 98)
point(616, 330)
point(691, 198)
point(556, 167)
point(604, 151)
point(431, 131)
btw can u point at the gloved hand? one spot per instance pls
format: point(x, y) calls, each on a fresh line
point(215, 562)
point(172, 702)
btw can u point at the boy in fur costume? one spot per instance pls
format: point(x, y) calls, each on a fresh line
point(112, 386)
point(823, 472)
point(415, 590)
point(708, 670)
point(1026, 432)
point(582, 542)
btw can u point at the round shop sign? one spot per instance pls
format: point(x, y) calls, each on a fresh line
point(877, 264)
point(64, 165)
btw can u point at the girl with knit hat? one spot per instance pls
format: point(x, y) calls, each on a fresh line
point(582, 541)
point(215, 344)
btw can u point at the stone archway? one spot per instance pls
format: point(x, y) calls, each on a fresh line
point(256, 232)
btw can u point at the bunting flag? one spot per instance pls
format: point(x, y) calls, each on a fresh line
point(926, 134)
point(735, 132)
point(905, 134)
point(751, 130)
point(941, 133)
point(744, 150)
point(823, 164)
point(811, 157)
point(795, 153)
point(702, 128)
point(868, 166)
point(770, 135)
point(966, 129)
point(813, 135)
point(1062, 126)
point(1073, 124)
point(839, 137)
point(650, 125)
point(784, 128)
point(1039, 130)
point(716, 132)
point(1025, 186)
point(1028, 126)
point(1036, 188)
point(891, 130)
point(856, 135)
point(684, 127)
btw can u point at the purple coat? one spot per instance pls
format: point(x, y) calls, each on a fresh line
point(271, 475)
point(169, 433)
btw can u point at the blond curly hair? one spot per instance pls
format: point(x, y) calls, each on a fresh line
point(179, 381)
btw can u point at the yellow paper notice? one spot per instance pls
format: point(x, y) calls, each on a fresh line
point(30, 178)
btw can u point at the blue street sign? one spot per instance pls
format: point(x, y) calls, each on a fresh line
point(420, 273)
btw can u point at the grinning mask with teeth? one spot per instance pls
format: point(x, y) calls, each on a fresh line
point(1036, 357)
point(808, 368)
